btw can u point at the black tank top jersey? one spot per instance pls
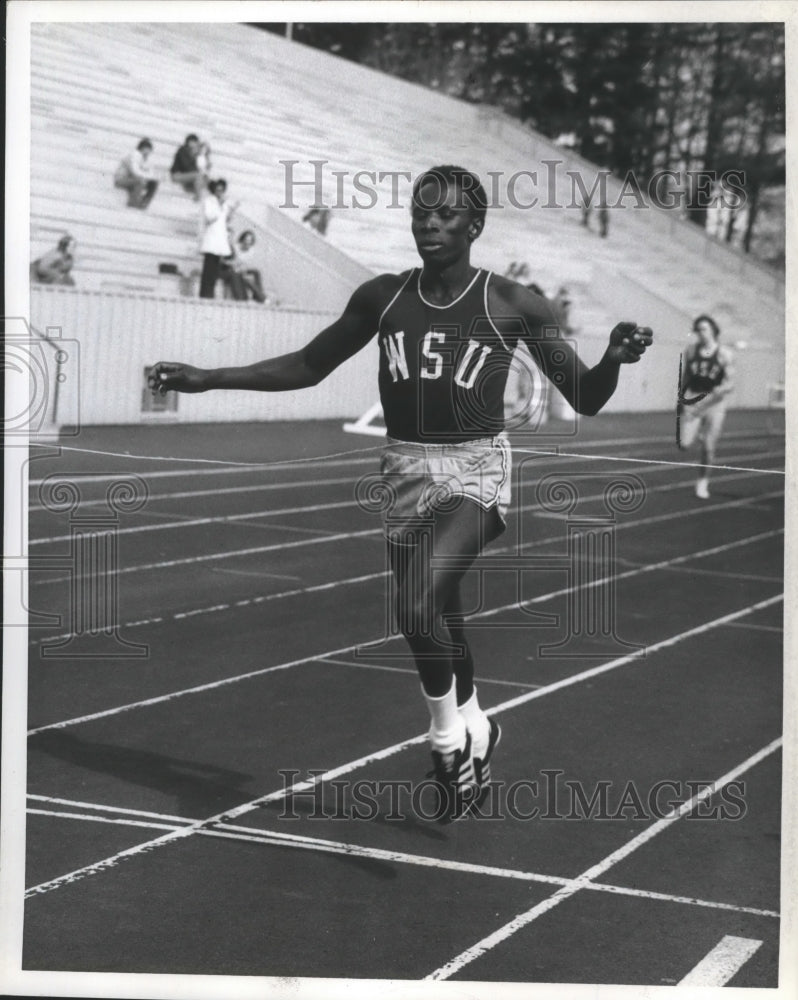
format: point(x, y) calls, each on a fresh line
point(702, 374)
point(443, 369)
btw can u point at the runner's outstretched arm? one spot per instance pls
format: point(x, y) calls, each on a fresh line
point(297, 370)
point(585, 389)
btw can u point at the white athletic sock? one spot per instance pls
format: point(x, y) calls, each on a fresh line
point(447, 731)
point(477, 724)
point(702, 488)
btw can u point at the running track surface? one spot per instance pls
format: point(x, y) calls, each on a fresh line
point(171, 824)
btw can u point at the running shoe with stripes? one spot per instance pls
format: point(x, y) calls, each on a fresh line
point(482, 764)
point(455, 776)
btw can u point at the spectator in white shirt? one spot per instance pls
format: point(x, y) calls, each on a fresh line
point(216, 213)
point(136, 176)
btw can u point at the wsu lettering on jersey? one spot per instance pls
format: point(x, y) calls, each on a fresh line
point(443, 369)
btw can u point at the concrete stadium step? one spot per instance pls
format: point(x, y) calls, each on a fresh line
point(318, 107)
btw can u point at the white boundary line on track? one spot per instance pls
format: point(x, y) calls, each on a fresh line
point(648, 461)
point(722, 963)
point(281, 839)
point(413, 672)
point(626, 574)
point(761, 628)
point(216, 519)
point(189, 522)
point(465, 958)
point(383, 754)
point(225, 491)
point(182, 459)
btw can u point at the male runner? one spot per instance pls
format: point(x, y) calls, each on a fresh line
point(707, 377)
point(446, 332)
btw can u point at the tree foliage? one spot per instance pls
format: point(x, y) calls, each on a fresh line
point(639, 97)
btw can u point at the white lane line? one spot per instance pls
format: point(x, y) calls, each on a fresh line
point(299, 591)
point(79, 804)
point(465, 958)
point(727, 574)
point(242, 603)
point(215, 556)
point(281, 839)
point(349, 649)
point(761, 628)
point(109, 477)
point(615, 577)
point(414, 672)
point(176, 521)
point(227, 470)
point(659, 461)
point(217, 519)
point(373, 532)
point(182, 459)
point(225, 491)
point(200, 688)
point(638, 655)
point(724, 961)
point(353, 765)
point(148, 824)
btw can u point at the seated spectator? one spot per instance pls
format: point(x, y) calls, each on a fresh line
point(318, 219)
point(135, 175)
point(216, 212)
point(184, 169)
point(240, 273)
point(54, 267)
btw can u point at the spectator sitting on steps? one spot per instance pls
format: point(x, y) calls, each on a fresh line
point(54, 267)
point(184, 169)
point(135, 175)
point(241, 274)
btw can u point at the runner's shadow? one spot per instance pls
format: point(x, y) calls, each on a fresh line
point(198, 789)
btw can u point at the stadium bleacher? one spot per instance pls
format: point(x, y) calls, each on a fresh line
point(259, 99)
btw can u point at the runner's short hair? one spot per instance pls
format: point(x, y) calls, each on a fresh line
point(705, 318)
point(465, 181)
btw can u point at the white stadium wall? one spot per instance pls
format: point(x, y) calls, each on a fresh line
point(120, 336)
point(759, 363)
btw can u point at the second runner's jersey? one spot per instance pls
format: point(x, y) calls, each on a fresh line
point(702, 373)
point(443, 369)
